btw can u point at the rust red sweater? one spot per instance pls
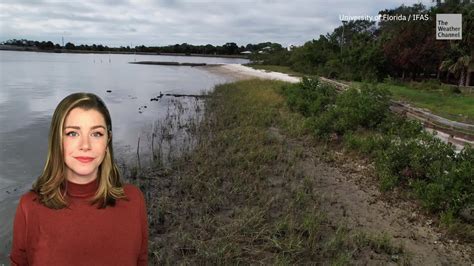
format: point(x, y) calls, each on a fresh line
point(81, 234)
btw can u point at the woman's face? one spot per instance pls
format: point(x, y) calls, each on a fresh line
point(84, 144)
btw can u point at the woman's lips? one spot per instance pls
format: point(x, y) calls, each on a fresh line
point(84, 159)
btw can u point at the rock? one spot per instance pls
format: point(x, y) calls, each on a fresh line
point(395, 258)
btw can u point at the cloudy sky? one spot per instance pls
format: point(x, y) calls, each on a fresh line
point(163, 22)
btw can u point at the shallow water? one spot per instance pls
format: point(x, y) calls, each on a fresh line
point(32, 84)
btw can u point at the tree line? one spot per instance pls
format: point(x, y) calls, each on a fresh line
point(364, 50)
point(229, 48)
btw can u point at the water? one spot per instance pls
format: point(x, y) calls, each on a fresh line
point(32, 84)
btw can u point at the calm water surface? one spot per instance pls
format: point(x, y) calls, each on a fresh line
point(32, 84)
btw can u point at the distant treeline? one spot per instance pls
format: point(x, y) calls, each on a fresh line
point(362, 50)
point(229, 48)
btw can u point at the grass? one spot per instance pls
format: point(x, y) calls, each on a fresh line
point(458, 107)
point(238, 198)
point(454, 106)
point(276, 68)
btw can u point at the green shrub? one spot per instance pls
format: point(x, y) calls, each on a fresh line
point(321, 125)
point(447, 192)
point(309, 97)
point(366, 107)
point(398, 127)
point(425, 157)
point(433, 195)
point(354, 108)
point(388, 181)
point(369, 144)
point(392, 161)
point(404, 153)
point(440, 178)
point(461, 180)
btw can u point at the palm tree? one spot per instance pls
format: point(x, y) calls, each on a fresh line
point(461, 66)
point(444, 67)
point(470, 69)
point(458, 68)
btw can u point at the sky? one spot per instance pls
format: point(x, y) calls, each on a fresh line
point(118, 23)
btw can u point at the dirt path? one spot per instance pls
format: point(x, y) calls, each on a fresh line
point(350, 196)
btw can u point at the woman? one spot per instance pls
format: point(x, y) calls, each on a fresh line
point(78, 211)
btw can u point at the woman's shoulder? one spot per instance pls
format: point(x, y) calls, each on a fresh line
point(28, 200)
point(133, 191)
point(28, 197)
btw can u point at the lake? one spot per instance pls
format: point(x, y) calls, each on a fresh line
point(32, 84)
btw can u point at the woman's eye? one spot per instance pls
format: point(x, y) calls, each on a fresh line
point(97, 134)
point(71, 134)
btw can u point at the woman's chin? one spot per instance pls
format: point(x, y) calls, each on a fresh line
point(83, 172)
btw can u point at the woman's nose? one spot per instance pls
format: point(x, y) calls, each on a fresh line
point(85, 142)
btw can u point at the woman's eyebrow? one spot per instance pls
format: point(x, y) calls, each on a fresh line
point(76, 127)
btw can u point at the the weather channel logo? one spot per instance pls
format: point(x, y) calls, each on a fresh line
point(448, 26)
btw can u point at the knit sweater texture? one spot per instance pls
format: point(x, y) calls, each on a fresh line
point(81, 234)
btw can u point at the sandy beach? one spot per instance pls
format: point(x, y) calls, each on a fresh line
point(241, 72)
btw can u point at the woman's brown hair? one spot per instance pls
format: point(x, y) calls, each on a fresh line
point(51, 184)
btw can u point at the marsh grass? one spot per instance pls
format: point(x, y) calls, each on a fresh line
point(175, 134)
point(169, 137)
point(237, 196)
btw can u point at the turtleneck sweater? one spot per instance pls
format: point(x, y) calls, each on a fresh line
point(81, 234)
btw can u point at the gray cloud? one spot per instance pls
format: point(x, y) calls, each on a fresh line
point(163, 22)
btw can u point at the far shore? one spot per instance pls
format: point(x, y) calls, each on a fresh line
point(34, 49)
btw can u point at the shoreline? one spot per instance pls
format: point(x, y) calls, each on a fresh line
point(65, 51)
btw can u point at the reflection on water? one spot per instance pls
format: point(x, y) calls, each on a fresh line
point(32, 84)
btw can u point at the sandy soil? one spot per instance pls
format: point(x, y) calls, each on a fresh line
point(350, 196)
